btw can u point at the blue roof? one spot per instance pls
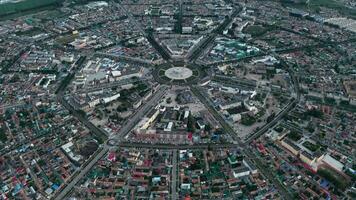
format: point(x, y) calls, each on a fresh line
point(324, 183)
point(17, 188)
point(55, 186)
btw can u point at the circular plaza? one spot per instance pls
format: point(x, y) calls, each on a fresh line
point(178, 73)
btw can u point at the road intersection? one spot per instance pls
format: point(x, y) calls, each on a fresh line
point(116, 140)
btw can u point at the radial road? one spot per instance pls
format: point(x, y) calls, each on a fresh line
point(123, 131)
point(174, 176)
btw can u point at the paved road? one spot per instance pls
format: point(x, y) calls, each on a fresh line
point(174, 176)
point(97, 131)
point(140, 113)
point(163, 52)
point(5, 107)
point(132, 18)
point(197, 91)
point(122, 132)
point(130, 124)
point(33, 175)
point(180, 17)
point(125, 58)
point(194, 53)
point(283, 191)
point(82, 172)
point(269, 125)
point(245, 149)
point(172, 146)
point(108, 85)
point(23, 103)
point(286, 109)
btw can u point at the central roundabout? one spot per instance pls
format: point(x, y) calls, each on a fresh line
point(178, 73)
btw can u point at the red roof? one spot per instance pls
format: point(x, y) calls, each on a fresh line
point(112, 157)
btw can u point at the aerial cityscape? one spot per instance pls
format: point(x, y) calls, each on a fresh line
point(177, 99)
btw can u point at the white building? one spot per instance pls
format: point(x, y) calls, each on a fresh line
point(111, 98)
point(331, 162)
point(169, 127)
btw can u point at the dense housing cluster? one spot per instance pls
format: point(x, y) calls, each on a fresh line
point(177, 99)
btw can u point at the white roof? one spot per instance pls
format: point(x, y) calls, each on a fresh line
point(170, 125)
point(333, 162)
point(186, 114)
point(68, 145)
point(116, 73)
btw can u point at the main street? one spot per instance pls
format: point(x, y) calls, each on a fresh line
point(8, 106)
point(129, 125)
point(81, 172)
point(162, 51)
point(140, 113)
point(243, 146)
point(124, 58)
point(108, 85)
point(174, 176)
point(84, 169)
point(195, 52)
point(178, 147)
point(147, 106)
point(275, 120)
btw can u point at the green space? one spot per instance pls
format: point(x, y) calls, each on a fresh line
point(63, 40)
point(25, 5)
point(41, 163)
point(49, 15)
point(345, 105)
point(32, 32)
point(271, 117)
point(279, 129)
point(281, 97)
point(294, 136)
point(330, 101)
point(3, 137)
point(312, 147)
point(336, 179)
point(161, 73)
point(247, 120)
point(191, 124)
point(316, 5)
point(65, 82)
point(255, 30)
point(237, 110)
point(314, 113)
point(260, 97)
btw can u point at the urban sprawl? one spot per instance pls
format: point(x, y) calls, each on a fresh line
point(179, 100)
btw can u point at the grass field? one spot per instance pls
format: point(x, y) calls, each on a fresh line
point(27, 5)
point(64, 40)
point(315, 5)
point(255, 30)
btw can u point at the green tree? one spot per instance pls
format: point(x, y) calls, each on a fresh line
point(191, 124)
point(3, 136)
